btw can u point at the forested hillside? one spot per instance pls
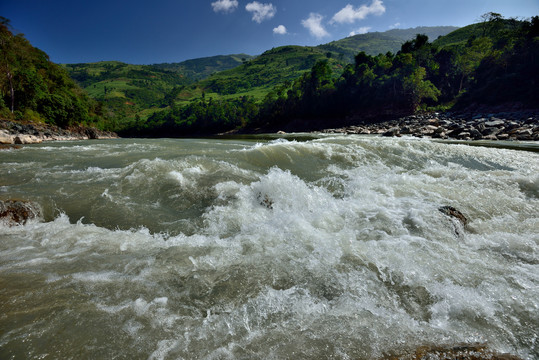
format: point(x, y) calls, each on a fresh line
point(491, 67)
point(492, 62)
point(33, 88)
point(132, 93)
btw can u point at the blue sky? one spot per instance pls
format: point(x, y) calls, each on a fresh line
point(147, 32)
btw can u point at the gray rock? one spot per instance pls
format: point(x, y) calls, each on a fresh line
point(491, 131)
point(496, 122)
point(392, 132)
point(475, 134)
point(16, 212)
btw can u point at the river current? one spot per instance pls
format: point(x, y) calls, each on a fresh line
point(297, 248)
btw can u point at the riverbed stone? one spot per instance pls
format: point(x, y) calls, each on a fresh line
point(18, 212)
point(454, 213)
point(494, 122)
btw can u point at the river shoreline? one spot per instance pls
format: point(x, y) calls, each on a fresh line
point(21, 133)
point(507, 126)
point(521, 126)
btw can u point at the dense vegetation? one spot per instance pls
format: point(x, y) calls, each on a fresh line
point(34, 88)
point(132, 93)
point(496, 64)
point(291, 87)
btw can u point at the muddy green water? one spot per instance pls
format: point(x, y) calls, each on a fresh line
point(297, 248)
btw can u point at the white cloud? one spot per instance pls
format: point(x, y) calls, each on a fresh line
point(361, 30)
point(350, 15)
point(394, 26)
point(260, 11)
point(280, 30)
point(224, 5)
point(314, 24)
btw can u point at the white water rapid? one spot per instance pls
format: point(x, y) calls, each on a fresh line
point(253, 248)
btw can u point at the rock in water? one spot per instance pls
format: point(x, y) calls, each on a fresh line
point(265, 201)
point(459, 352)
point(454, 213)
point(16, 212)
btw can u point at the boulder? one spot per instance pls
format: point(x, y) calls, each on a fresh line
point(490, 131)
point(392, 132)
point(17, 212)
point(494, 122)
point(27, 139)
point(457, 351)
point(475, 134)
point(6, 137)
point(454, 213)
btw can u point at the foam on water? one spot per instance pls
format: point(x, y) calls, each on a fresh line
point(332, 247)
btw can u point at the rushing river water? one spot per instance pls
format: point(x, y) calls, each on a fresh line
point(307, 248)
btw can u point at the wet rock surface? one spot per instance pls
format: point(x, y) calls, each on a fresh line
point(18, 212)
point(21, 133)
point(454, 213)
point(459, 352)
point(520, 125)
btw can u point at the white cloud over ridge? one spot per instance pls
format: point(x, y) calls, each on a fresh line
point(314, 24)
point(260, 11)
point(280, 30)
point(224, 5)
point(350, 15)
point(361, 30)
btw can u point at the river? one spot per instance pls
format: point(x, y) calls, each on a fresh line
point(300, 247)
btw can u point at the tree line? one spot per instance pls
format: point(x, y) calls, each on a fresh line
point(495, 65)
point(498, 66)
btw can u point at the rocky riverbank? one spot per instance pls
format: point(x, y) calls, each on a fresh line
point(12, 132)
point(522, 126)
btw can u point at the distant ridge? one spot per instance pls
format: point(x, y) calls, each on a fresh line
point(374, 43)
point(201, 68)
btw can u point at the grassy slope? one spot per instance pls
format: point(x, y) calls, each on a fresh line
point(139, 84)
point(260, 75)
point(230, 75)
point(145, 85)
point(142, 86)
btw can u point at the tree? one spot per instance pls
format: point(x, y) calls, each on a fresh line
point(417, 88)
point(490, 22)
point(7, 48)
point(469, 58)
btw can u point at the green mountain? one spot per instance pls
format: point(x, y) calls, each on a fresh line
point(139, 84)
point(496, 67)
point(137, 91)
point(375, 43)
point(258, 76)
